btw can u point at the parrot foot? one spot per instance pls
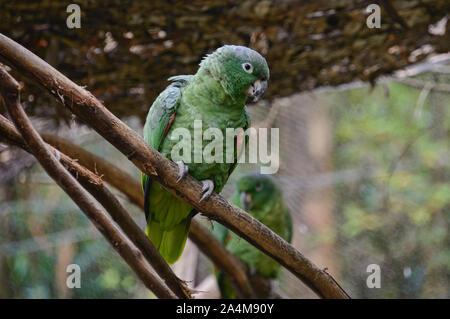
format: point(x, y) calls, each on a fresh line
point(182, 170)
point(207, 189)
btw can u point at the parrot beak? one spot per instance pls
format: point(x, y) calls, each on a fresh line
point(257, 89)
point(246, 200)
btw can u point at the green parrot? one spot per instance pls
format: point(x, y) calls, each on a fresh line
point(216, 95)
point(260, 196)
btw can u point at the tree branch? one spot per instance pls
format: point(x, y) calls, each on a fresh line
point(148, 160)
point(10, 91)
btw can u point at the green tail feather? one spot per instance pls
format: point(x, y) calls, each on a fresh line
point(170, 243)
point(168, 220)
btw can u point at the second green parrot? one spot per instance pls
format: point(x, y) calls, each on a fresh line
point(260, 196)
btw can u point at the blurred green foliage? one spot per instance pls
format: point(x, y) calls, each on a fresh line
point(398, 215)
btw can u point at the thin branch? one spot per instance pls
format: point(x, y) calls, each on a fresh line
point(94, 185)
point(10, 91)
point(148, 160)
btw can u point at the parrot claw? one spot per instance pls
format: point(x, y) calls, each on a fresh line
point(182, 170)
point(207, 189)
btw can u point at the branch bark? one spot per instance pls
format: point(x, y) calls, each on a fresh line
point(88, 108)
point(10, 91)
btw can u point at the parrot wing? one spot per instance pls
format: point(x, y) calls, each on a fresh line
point(159, 120)
point(162, 113)
point(167, 220)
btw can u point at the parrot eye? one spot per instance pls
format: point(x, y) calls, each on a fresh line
point(247, 67)
point(259, 187)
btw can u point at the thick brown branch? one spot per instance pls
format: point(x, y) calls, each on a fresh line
point(93, 184)
point(10, 91)
point(87, 107)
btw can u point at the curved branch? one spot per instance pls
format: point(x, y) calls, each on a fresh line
point(148, 160)
point(10, 91)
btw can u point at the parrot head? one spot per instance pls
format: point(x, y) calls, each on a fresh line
point(241, 71)
point(255, 189)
